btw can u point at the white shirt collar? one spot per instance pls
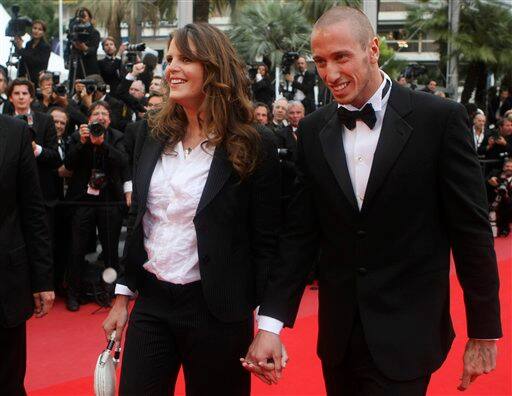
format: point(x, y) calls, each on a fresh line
point(377, 101)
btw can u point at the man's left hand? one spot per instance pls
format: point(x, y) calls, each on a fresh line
point(479, 358)
point(43, 302)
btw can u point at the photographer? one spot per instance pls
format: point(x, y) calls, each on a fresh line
point(502, 205)
point(83, 42)
point(111, 65)
point(302, 85)
point(132, 92)
point(262, 86)
point(98, 160)
point(36, 54)
point(5, 105)
point(287, 148)
point(49, 95)
point(499, 146)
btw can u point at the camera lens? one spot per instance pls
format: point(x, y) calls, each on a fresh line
point(96, 129)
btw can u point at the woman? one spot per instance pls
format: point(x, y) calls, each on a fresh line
point(204, 215)
point(35, 55)
point(262, 86)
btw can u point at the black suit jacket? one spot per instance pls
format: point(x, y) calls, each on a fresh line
point(34, 60)
point(287, 141)
point(49, 159)
point(25, 253)
point(390, 262)
point(236, 225)
point(79, 159)
point(110, 70)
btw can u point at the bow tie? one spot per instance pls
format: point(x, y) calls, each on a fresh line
point(349, 118)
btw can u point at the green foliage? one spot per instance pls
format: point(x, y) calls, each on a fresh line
point(269, 29)
point(313, 9)
point(44, 10)
point(388, 64)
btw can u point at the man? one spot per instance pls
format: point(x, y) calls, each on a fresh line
point(287, 145)
point(5, 105)
point(98, 162)
point(132, 92)
point(494, 107)
point(158, 86)
point(46, 97)
point(111, 66)
point(499, 146)
point(261, 113)
point(279, 115)
point(430, 87)
point(388, 182)
point(25, 258)
point(401, 80)
point(501, 182)
point(479, 133)
point(302, 85)
point(44, 140)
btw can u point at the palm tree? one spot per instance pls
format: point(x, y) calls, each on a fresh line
point(269, 29)
point(313, 9)
point(483, 44)
point(111, 13)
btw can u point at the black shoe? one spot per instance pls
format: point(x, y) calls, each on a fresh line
point(72, 303)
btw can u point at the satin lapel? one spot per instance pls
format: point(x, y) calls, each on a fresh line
point(331, 138)
point(151, 151)
point(220, 171)
point(3, 142)
point(394, 135)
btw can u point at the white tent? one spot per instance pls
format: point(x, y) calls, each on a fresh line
point(55, 64)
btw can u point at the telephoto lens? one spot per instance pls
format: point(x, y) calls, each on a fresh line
point(96, 129)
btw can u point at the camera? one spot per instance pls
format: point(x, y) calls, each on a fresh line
point(287, 61)
point(79, 30)
point(96, 129)
point(136, 47)
point(17, 25)
point(414, 70)
point(92, 86)
point(60, 90)
point(131, 55)
point(98, 179)
point(284, 154)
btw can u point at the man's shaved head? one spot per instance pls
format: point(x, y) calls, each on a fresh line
point(359, 22)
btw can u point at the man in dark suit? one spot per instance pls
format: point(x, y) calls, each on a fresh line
point(303, 83)
point(25, 253)
point(111, 65)
point(98, 163)
point(388, 184)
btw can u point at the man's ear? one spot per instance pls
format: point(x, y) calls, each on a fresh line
point(374, 50)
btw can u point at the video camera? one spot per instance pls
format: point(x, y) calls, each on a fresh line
point(17, 25)
point(287, 61)
point(79, 30)
point(131, 54)
point(92, 86)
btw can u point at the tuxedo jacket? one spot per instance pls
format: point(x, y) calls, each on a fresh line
point(49, 159)
point(389, 262)
point(110, 70)
point(236, 226)
point(307, 85)
point(25, 253)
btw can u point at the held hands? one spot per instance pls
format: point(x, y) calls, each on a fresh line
point(479, 358)
point(43, 302)
point(266, 357)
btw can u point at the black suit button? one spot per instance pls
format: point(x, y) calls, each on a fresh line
point(362, 271)
point(361, 234)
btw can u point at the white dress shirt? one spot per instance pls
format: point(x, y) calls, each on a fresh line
point(170, 238)
point(360, 145)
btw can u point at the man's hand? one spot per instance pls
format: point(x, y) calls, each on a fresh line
point(128, 196)
point(493, 181)
point(117, 318)
point(80, 46)
point(43, 302)
point(84, 133)
point(266, 357)
point(86, 98)
point(501, 141)
point(122, 49)
point(138, 68)
point(479, 358)
point(34, 146)
point(63, 172)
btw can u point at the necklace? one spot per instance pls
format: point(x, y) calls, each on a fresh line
point(187, 152)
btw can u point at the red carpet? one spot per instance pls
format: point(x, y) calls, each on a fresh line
point(63, 347)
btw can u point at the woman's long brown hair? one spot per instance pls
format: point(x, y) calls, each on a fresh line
point(227, 114)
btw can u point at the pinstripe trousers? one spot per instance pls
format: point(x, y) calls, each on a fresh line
point(171, 327)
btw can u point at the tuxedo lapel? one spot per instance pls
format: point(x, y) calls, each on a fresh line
point(331, 139)
point(150, 153)
point(220, 171)
point(394, 135)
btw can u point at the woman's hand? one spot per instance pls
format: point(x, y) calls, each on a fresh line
point(117, 318)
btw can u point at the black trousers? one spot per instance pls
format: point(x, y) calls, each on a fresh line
point(171, 327)
point(85, 219)
point(504, 214)
point(13, 360)
point(357, 374)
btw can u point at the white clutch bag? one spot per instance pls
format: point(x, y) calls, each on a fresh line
point(105, 371)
